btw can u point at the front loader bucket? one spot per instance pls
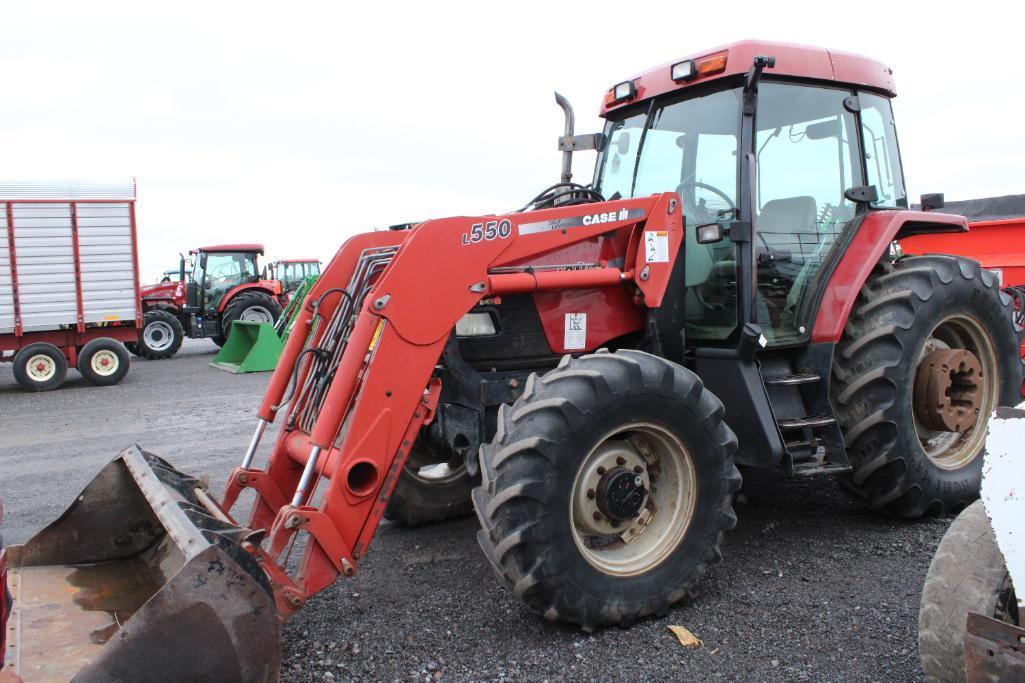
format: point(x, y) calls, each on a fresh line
point(251, 347)
point(137, 581)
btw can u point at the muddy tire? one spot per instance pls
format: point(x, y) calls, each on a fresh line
point(161, 336)
point(967, 574)
point(430, 490)
point(642, 442)
point(104, 362)
point(905, 459)
point(40, 367)
point(251, 306)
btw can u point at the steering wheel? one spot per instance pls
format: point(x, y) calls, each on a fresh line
point(710, 188)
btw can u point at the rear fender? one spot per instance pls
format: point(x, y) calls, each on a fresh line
point(874, 236)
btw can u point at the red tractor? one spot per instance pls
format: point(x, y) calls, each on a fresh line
point(594, 367)
point(223, 285)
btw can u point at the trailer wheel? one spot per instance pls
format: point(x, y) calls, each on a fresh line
point(967, 574)
point(256, 307)
point(430, 489)
point(161, 336)
point(40, 367)
point(929, 351)
point(607, 489)
point(104, 361)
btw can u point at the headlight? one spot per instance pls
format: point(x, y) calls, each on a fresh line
point(475, 325)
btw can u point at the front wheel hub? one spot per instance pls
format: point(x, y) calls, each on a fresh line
point(620, 494)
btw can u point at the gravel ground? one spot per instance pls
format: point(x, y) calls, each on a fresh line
point(812, 586)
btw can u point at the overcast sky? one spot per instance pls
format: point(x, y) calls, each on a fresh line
point(298, 124)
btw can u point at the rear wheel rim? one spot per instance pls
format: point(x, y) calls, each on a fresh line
point(158, 336)
point(951, 450)
point(41, 368)
point(257, 314)
point(660, 464)
point(104, 363)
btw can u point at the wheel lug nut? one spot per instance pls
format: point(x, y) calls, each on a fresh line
point(615, 524)
point(601, 471)
point(620, 461)
point(638, 469)
point(590, 494)
point(597, 516)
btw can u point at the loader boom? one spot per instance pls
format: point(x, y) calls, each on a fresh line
point(357, 370)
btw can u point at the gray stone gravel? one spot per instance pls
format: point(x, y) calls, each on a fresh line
point(812, 586)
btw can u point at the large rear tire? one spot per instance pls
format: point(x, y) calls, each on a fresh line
point(929, 351)
point(967, 574)
point(607, 489)
point(249, 306)
point(430, 489)
point(161, 336)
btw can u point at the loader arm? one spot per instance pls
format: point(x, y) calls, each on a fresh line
point(355, 382)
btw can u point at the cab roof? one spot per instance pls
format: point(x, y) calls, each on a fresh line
point(802, 61)
point(234, 247)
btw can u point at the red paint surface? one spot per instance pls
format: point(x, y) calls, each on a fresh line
point(791, 60)
point(872, 240)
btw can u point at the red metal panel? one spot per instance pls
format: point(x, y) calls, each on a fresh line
point(872, 240)
point(77, 260)
point(271, 287)
point(14, 269)
point(791, 60)
point(996, 244)
point(135, 264)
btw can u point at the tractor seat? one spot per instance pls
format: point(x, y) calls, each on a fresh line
point(789, 224)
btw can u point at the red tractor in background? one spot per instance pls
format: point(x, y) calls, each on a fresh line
point(223, 285)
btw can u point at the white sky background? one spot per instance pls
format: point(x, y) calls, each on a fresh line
point(298, 124)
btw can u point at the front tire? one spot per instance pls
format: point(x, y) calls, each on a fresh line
point(104, 362)
point(40, 367)
point(161, 336)
point(642, 442)
point(929, 351)
point(967, 574)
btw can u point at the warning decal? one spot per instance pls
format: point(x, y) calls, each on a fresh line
point(656, 246)
point(576, 331)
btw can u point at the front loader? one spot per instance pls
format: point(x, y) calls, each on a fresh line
point(594, 366)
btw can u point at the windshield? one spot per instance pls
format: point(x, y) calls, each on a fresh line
point(691, 147)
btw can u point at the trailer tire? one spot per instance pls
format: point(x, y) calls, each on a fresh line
point(255, 306)
point(161, 336)
point(906, 313)
point(40, 367)
point(539, 476)
point(967, 574)
point(420, 500)
point(104, 361)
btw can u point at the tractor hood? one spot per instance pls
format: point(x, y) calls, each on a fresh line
point(161, 290)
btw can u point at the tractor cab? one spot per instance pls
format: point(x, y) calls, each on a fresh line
point(218, 270)
point(291, 272)
point(776, 161)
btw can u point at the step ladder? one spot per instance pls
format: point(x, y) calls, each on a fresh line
point(804, 415)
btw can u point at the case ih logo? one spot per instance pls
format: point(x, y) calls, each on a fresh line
point(581, 221)
point(609, 217)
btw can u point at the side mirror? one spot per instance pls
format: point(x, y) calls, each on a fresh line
point(709, 233)
point(931, 202)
